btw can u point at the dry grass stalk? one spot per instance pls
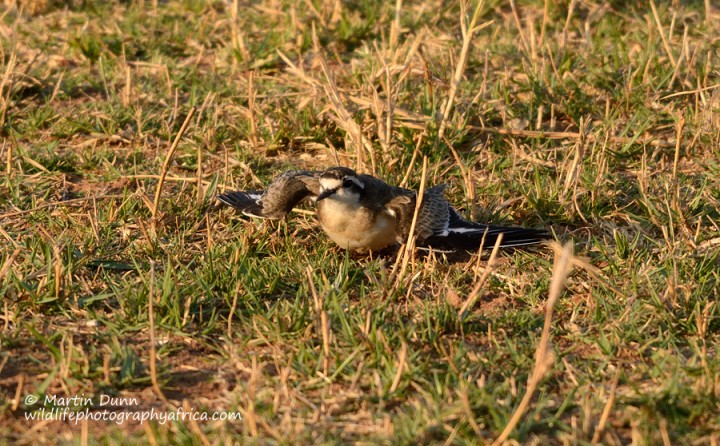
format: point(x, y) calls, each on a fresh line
point(467, 177)
point(199, 174)
point(569, 193)
point(681, 57)
point(518, 25)
point(251, 110)
point(323, 319)
point(395, 27)
point(384, 129)
point(34, 163)
point(408, 250)
point(84, 432)
point(475, 293)
point(467, 409)
point(233, 307)
point(342, 117)
point(608, 407)
point(8, 263)
point(71, 202)
point(151, 327)
point(678, 141)
point(128, 87)
point(149, 434)
point(656, 16)
point(572, 135)
point(237, 36)
point(468, 29)
point(195, 180)
point(708, 13)
point(5, 360)
point(563, 42)
point(248, 413)
point(58, 268)
point(7, 237)
point(543, 28)
point(18, 392)
point(689, 92)
point(6, 84)
point(401, 365)
point(194, 427)
point(544, 356)
point(416, 150)
point(165, 167)
point(8, 161)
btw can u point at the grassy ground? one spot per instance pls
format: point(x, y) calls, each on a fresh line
point(598, 120)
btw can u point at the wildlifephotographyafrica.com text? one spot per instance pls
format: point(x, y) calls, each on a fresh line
point(119, 410)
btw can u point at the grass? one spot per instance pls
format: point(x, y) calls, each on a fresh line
point(598, 120)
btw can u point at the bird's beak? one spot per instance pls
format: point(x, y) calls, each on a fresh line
point(324, 194)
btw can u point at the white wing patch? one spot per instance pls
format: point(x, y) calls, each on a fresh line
point(467, 230)
point(430, 248)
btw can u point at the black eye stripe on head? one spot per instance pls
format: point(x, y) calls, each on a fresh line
point(353, 183)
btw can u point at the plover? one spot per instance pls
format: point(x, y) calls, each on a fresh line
point(363, 213)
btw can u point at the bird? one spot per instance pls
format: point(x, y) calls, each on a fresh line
point(360, 212)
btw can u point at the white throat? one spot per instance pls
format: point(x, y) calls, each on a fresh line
point(345, 197)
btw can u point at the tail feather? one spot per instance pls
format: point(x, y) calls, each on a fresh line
point(467, 235)
point(511, 237)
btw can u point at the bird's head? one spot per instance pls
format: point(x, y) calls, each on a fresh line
point(342, 184)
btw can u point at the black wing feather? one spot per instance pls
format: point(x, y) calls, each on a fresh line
point(247, 202)
point(467, 235)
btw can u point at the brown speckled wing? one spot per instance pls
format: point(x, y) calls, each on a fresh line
point(285, 192)
point(434, 213)
point(432, 217)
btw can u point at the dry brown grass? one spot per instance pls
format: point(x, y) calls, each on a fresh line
point(120, 276)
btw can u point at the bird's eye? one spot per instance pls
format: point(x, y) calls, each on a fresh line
point(347, 184)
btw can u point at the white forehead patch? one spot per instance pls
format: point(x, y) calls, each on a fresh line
point(330, 183)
